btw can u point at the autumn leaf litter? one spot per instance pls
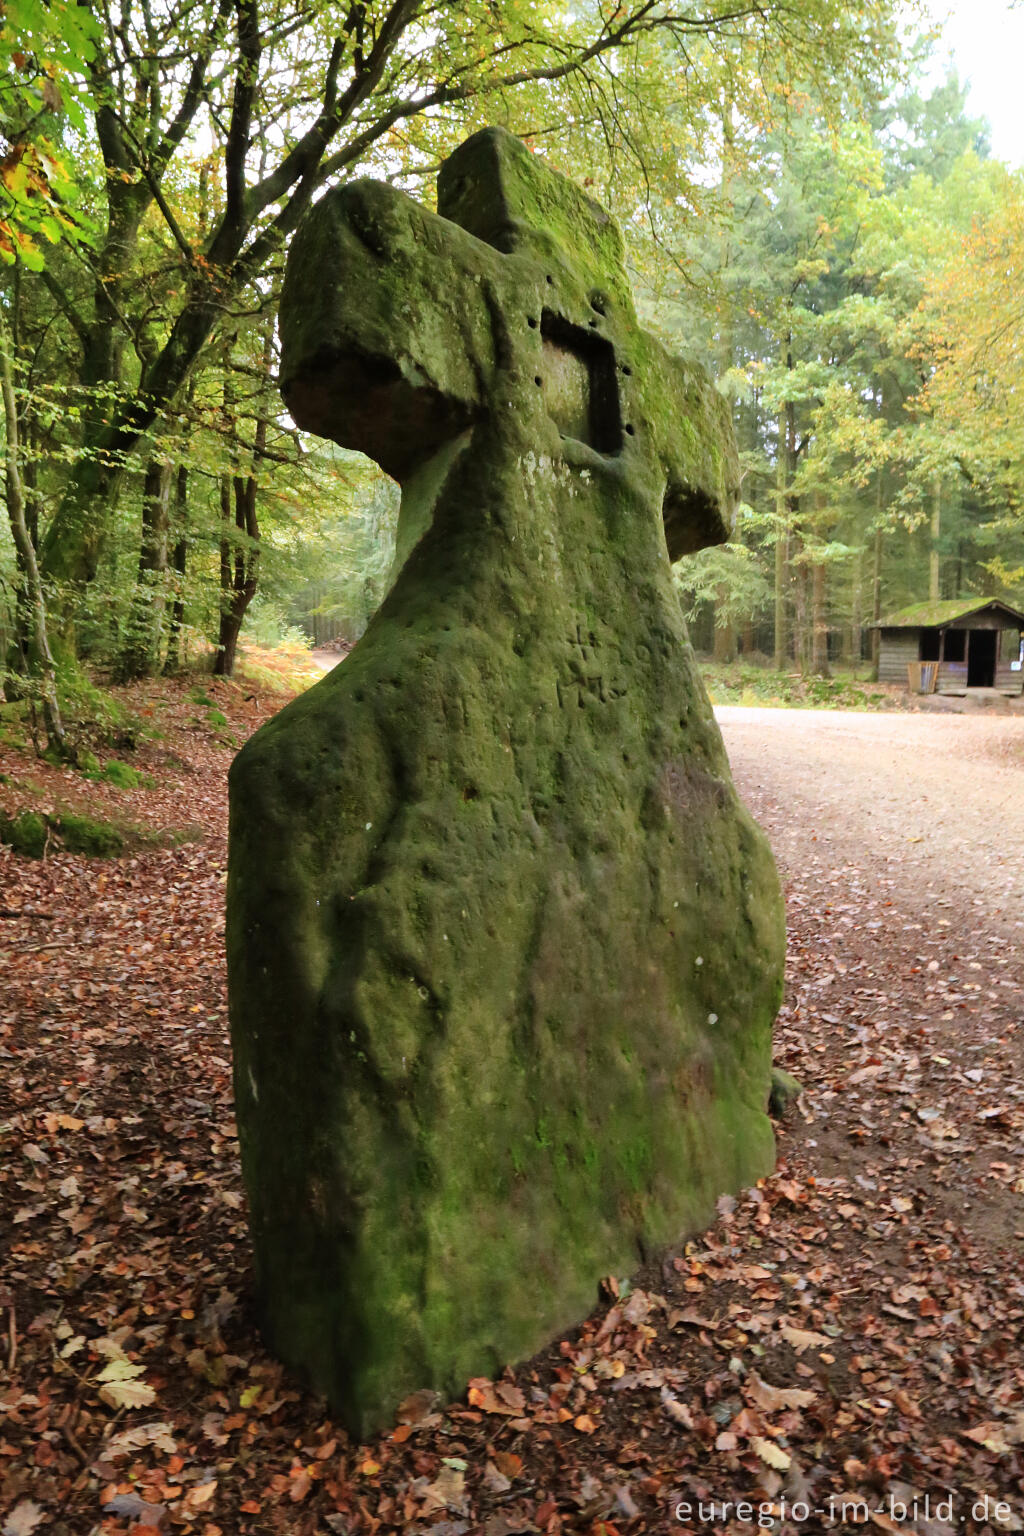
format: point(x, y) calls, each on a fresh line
point(850, 1328)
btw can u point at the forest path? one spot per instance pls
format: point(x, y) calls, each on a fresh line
point(899, 839)
point(933, 804)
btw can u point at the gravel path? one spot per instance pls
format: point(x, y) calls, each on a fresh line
point(931, 806)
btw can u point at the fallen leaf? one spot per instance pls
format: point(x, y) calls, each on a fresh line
point(127, 1394)
point(495, 1397)
point(801, 1340)
point(771, 1454)
point(495, 1481)
point(771, 1399)
point(131, 1507)
point(23, 1519)
point(991, 1436)
point(678, 1412)
point(446, 1492)
point(692, 1318)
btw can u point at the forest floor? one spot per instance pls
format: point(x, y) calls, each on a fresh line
point(842, 1349)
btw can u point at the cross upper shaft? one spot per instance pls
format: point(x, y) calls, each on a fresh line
point(387, 326)
point(401, 329)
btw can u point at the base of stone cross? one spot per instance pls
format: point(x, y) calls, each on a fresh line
point(504, 947)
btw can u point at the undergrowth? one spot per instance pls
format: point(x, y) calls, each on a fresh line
point(761, 687)
point(283, 668)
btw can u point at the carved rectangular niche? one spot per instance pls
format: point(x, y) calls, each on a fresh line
point(581, 393)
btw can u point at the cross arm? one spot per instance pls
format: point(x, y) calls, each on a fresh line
point(694, 438)
point(389, 326)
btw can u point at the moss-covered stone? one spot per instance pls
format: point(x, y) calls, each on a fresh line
point(90, 836)
point(785, 1090)
point(504, 948)
point(26, 833)
point(31, 833)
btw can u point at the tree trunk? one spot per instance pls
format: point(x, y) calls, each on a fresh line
point(876, 584)
point(782, 547)
point(934, 571)
point(141, 654)
point(856, 612)
point(240, 556)
point(75, 538)
point(113, 421)
point(22, 606)
point(724, 644)
point(39, 660)
point(802, 618)
point(239, 566)
point(179, 562)
point(819, 626)
point(788, 508)
point(725, 630)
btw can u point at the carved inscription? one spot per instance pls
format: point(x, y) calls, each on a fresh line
point(594, 676)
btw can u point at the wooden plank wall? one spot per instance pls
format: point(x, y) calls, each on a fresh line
point(952, 677)
point(1009, 645)
point(897, 647)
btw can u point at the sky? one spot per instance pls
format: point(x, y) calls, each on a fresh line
point(986, 40)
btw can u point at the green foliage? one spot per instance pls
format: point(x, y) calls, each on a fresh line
point(828, 298)
point(268, 626)
point(45, 51)
point(789, 202)
point(729, 575)
point(130, 369)
point(347, 558)
point(763, 687)
point(94, 715)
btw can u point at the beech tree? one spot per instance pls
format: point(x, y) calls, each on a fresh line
point(335, 89)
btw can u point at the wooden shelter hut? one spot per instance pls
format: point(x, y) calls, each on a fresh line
point(949, 647)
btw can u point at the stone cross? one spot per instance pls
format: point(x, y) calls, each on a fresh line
point(429, 328)
point(504, 948)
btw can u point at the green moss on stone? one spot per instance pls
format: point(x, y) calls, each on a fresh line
point(25, 833)
point(785, 1090)
point(90, 836)
point(477, 1065)
point(32, 833)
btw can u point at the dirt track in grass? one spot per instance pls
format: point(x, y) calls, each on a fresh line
point(851, 1330)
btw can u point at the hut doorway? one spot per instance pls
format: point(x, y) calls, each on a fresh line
point(981, 658)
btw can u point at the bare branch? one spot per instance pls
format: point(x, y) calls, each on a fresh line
point(193, 92)
point(246, 82)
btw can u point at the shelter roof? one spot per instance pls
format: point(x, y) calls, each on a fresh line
point(938, 615)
